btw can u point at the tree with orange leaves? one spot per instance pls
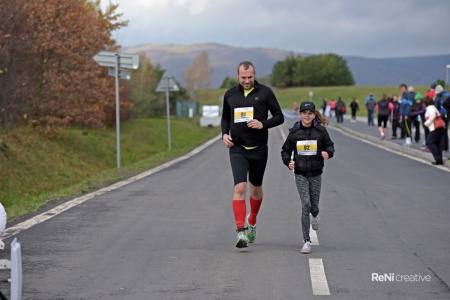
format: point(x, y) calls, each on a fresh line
point(48, 75)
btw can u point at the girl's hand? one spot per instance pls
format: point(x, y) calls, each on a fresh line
point(325, 154)
point(291, 165)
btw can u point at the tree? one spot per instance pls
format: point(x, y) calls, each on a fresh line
point(198, 75)
point(283, 71)
point(146, 101)
point(314, 70)
point(51, 79)
point(228, 83)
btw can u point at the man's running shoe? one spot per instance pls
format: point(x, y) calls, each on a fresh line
point(306, 248)
point(315, 222)
point(241, 240)
point(251, 232)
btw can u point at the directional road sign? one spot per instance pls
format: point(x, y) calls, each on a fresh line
point(124, 74)
point(109, 59)
point(116, 62)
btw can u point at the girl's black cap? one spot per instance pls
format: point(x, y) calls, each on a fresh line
point(307, 105)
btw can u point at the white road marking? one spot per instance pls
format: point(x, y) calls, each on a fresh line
point(318, 278)
point(11, 231)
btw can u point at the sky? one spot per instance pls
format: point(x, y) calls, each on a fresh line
point(374, 29)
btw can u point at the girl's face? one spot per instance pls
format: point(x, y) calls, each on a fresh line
point(307, 117)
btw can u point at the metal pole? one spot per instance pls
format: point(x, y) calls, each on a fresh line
point(446, 81)
point(117, 112)
point(168, 113)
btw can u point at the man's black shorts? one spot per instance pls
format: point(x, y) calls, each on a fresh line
point(252, 162)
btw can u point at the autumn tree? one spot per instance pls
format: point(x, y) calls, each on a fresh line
point(198, 75)
point(49, 77)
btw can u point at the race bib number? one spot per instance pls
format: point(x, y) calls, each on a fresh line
point(243, 114)
point(307, 147)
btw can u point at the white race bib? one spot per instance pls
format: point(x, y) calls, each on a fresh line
point(307, 147)
point(243, 114)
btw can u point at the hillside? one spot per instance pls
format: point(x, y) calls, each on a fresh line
point(224, 59)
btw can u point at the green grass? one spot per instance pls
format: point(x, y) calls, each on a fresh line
point(36, 170)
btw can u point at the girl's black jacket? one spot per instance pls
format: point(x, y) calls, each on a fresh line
point(307, 165)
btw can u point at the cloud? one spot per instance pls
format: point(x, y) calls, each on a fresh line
point(384, 28)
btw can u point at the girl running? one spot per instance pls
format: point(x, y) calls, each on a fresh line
point(311, 144)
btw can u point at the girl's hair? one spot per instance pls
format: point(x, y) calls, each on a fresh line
point(428, 101)
point(321, 119)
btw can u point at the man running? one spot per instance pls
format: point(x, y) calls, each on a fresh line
point(245, 125)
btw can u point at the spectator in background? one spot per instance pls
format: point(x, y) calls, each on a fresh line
point(396, 118)
point(370, 96)
point(431, 91)
point(383, 115)
point(415, 119)
point(324, 105)
point(435, 135)
point(406, 105)
point(370, 105)
point(332, 107)
point(418, 114)
point(340, 109)
point(295, 108)
point(439, 99)
point(354, 107)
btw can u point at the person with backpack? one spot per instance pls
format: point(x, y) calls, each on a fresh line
point(383, 109)
point(340, 109)
point(439, 98)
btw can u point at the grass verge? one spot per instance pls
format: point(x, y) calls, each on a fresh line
point(36, 170)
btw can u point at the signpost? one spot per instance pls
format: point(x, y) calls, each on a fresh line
point(116, 62)
point(446, 82)
point(166, 84)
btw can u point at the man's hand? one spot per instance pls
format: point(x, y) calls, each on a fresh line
point(325, 154)
point(255, 124)
point(227, 141)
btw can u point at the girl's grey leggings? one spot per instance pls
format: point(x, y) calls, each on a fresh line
point(309, 191)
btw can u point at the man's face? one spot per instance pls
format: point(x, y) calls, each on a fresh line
point(246, 77)
point(402, 89)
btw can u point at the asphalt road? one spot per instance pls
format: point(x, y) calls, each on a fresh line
point(171, 235)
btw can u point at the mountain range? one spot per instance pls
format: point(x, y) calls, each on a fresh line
point(223, 59)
